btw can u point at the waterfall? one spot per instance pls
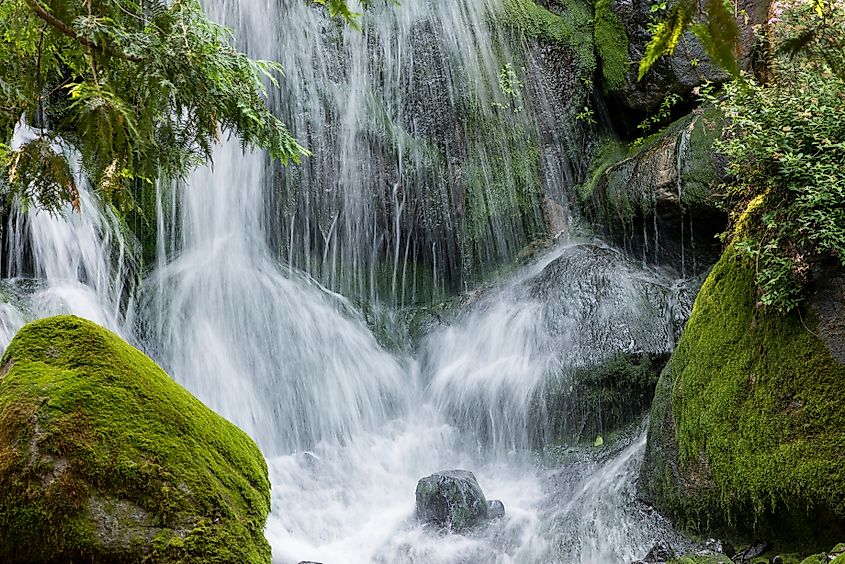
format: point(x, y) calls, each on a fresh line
point(425, 132)
point(81, 263)
point(426, 173)
point(288, 361)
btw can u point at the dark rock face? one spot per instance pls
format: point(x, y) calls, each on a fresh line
point(687, 68)
point(658, 203)
point(829, 304)
point(451, 499)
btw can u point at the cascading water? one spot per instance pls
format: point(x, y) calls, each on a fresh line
point(81, 263)
point(264, 329)
point(238, 307)
point(426, 167)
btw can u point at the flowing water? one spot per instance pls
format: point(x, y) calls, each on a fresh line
point(243, 306)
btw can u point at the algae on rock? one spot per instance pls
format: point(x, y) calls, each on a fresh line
point(104, 458)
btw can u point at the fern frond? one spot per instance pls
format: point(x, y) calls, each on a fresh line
point(720, 36)
point(667, 35)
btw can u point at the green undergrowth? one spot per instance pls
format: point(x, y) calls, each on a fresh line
point(611, 41)
point(87, 420)
point(748, 427)
point(571, 28)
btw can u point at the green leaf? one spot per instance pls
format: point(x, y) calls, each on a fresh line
point(667, 35)
point(720, 36)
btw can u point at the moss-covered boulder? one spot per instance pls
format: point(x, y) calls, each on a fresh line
point(104, 458)
point(747, 429)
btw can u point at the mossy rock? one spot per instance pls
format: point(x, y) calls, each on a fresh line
point(747, 429)
point(835, 556)
point(571, 28)
point(702, 559)
point(657, 199)
point(611, 40)
point(104, 458)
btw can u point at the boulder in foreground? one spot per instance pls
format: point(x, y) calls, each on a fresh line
point(451, 499)
point(104, 458)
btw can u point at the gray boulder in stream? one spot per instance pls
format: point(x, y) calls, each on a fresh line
point(451, 499)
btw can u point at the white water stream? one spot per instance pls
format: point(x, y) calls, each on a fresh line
point(348, 427)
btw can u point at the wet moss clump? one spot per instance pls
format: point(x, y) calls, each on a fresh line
point(572, 28)
point(104, 458)
point(747, 430)
point(603, 399)
point(611, 41)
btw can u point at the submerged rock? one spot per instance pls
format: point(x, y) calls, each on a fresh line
point(106, 459)
point(452, 499)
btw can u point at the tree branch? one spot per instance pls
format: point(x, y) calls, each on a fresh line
point(70, 32)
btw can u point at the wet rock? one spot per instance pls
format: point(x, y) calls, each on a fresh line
point(598, 302)
point(660, 552)
point(495, 509)
point(451, 499)
point(658, 204)
point(611, 323)
point(751, 552)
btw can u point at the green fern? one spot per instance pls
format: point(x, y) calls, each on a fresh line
point(667, 35)
point(719, 35)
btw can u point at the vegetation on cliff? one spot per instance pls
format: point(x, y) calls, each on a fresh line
point(104, 458)
point(611, 44)
point(571, 28)
point(785, 142)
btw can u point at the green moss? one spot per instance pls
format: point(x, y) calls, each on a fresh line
point(611, 41)
point(570, 29)
point(748, 427)
point(88, 421)
point(502, 190)
point(698, 171)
